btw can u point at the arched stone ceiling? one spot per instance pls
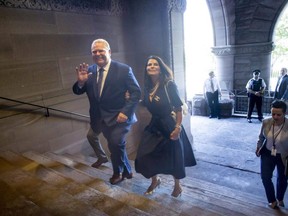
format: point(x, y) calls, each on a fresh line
point(244, 21)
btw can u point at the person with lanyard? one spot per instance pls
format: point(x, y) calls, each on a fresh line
point(272, 148)
point(255, 89)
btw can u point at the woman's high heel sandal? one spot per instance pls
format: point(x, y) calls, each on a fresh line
point(177, 192)
point(273, 205)
point(152, 187)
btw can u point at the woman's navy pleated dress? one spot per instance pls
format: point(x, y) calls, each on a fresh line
point(157, 154)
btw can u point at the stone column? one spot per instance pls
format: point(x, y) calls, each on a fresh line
point(235, 63)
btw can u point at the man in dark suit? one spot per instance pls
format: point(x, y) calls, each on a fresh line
point(105, 84)
point(281, 91)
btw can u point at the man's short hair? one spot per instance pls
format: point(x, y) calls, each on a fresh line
point(256, 72)
point(103, 41)
point(279, 104)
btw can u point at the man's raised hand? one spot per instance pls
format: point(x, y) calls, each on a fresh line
point(82, 73)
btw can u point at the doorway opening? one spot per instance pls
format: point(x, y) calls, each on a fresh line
point(279, 57)
point(198, 40)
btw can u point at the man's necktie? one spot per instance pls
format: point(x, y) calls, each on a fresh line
point(212, 85)
point(99, 83)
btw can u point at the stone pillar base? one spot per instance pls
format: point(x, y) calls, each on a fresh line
point(226, 107)
point(199, 106)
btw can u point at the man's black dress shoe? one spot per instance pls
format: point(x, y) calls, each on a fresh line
point(99, 162)
point(249, 120)
point(115, 179)
point(127, 175)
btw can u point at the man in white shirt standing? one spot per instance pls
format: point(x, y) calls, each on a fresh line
point(212, 91)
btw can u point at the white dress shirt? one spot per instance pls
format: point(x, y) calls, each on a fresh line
point(208, 87)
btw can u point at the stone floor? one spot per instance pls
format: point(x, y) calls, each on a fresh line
point(224, 150)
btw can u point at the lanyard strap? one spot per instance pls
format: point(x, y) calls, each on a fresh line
point(275, 137)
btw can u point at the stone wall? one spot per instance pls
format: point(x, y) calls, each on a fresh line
point(41, 43)
point(40, 49)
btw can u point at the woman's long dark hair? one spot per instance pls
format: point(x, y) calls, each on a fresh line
point(166, 73)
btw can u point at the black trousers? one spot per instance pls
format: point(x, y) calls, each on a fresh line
point(213, 103)
point(252, 100)
point(268, 165)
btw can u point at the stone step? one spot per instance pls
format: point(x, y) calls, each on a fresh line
point(198, 192)
point(41, 184)
point(139, 185)
point(82, 192)
point(49, 198)
point(73, 171)
point(210, 153)
point(14, 203)
point(133, 199)
point(224, 191)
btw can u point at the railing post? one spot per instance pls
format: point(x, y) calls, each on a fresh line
point(47, 112)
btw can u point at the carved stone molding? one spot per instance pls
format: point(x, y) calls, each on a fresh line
point(119, 7)
point(111, 7)
point(243, 49)
point(177, 5)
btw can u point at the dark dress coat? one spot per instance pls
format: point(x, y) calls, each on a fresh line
point(104, 110)
point(157, 154)
point(283, 89)
point(120, 78)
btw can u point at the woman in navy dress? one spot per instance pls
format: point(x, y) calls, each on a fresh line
point(165, 147)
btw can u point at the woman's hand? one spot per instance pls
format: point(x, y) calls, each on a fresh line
point(121, 118)
point(175, 133)
point(257, 152)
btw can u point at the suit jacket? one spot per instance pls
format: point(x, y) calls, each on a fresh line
point(120, 78)
point(283, 144)
point(283, 89)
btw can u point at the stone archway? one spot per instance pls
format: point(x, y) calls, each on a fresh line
point(243, 38)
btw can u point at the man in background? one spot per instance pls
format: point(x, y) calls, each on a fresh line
point(212, 91)
point(281, 91)
point(255, 89)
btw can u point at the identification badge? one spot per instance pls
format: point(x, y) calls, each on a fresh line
point(273, 152)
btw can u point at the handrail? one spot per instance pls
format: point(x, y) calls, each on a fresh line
point(45, 107)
